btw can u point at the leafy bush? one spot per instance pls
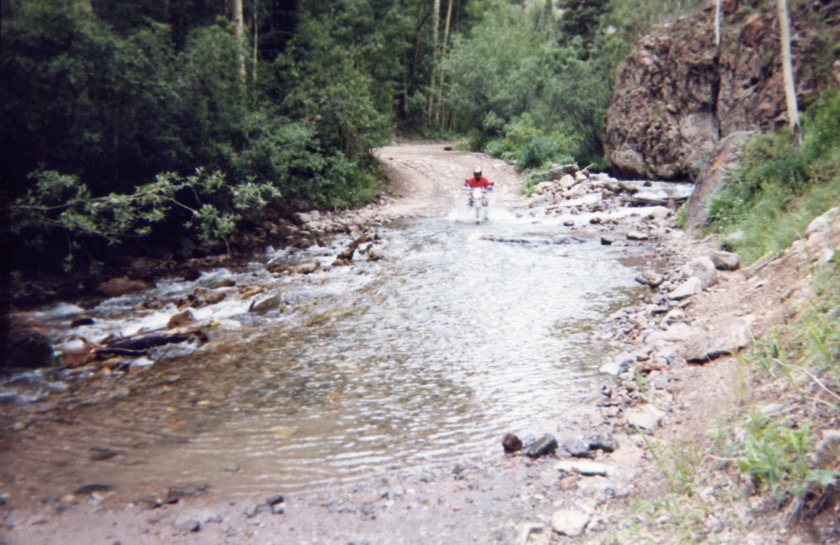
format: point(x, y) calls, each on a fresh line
point(538, 152)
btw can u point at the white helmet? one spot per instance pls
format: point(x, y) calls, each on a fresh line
point(477, 172)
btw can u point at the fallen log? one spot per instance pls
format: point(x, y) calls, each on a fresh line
point(139, 345)
point(641, 200)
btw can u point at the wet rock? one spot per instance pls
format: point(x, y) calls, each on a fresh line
point(650, 278)
point(223, 283)
point(547, 444)
point(116, 287)
point(176, 493)
point(607, 239)
point(275, 503)
point(89, 489)
point(82, 321)
point(569, 522)
point(27, 348)
point(271, 302)
point(99, 454)
point(637, 236)
point(617, 366)
point(193, 522)
point(308, 268)
point(511, 443)
point(180, 319)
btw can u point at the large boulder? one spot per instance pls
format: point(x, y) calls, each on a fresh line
point(726, 157)
point(678, 94)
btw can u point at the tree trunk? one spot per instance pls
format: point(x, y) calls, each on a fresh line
point(439, 115)
point(256, 38)
point(787, 73)
point(435, 24)
point(238, 24)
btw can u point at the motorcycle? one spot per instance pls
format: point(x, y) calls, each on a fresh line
point(477, 200)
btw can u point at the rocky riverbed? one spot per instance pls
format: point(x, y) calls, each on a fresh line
point(576, 485)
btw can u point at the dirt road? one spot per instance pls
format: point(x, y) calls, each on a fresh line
point(426, 179)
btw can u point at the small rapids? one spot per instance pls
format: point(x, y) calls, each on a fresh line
point(459, 334)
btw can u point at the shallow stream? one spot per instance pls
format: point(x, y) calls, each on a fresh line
point(460, 334)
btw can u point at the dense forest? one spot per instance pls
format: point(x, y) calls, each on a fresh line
point(146, 124)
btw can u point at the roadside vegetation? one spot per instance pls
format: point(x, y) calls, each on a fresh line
point(769, 201)
point(770, 458)
point(776, 455)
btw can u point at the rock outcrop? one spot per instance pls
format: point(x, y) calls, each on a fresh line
point(677, 94)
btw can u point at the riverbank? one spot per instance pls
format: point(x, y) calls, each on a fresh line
point(657, 402)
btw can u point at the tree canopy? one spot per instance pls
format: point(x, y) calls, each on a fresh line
point(104, 100)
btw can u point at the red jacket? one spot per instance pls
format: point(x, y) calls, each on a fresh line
point(480, 182)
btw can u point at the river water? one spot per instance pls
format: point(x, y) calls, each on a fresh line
point(460, 334)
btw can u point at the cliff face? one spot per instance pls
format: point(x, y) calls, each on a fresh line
point(677, 94)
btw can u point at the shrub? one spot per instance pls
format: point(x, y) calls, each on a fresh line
point(778, 190)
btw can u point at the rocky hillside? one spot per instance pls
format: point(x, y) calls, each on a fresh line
point(677, 94)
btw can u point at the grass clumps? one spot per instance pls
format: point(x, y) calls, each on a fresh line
point(778, 189)
point(767, 457)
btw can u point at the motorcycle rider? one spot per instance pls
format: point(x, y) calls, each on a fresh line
point(478, 180)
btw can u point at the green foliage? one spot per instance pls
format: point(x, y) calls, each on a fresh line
point(529, 81)
point(60, 205)
point(111, 96)
point(778, 190)
point(775, 453)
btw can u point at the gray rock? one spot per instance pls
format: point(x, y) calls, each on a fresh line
point(822, 224)
point(617, 366)
point(569, 522)
point(567, 181)
point(602, 441)
point(826, 256)
point(650, 278)
point(726, 261)
point(646, 417)
point(659, 212)
point(721, 342)
point(193, 522)
point(546, 444)
point(704, 269)
point(606, 240)
point(581, 467)
point(637, 235)
point(690, 287)
point(269, 303)
point(558, 172)
point(828, 449)
point(577, 448)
